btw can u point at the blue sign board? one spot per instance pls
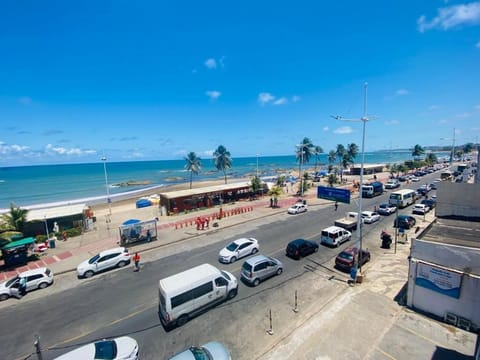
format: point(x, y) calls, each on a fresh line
point(334, 194)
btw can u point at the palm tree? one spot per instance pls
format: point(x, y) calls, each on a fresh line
point(256, 185)
point(417, 152)
point(340, 153)
point(194, 165)
point(352, 152)
point(431, 158)
point(332, 156)
point(318, 150)
point(16, 219)
point(223, 161)
point(305, 150)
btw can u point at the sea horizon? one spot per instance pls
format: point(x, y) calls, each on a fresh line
point(41, 186)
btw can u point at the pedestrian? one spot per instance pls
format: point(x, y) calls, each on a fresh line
point(64, 235)
point(136, 260)
point(23, 286)
point(149, 235)
point(336, 205)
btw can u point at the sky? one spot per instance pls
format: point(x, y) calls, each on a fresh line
point(155, 80)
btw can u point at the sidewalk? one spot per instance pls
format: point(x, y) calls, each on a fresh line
point(170, 229)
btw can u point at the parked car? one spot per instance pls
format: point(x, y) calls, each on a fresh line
point(297, 208)
point(420, 209)
point(405, 221)
point(212, 350)
point(36, 279)
point(431, 203)
point(108, 259)
point(124, 348)
point(259, 268)
point(346, 259)
point(369, 217)
point(403, 178)
point(414, 179)
point(238, 249)
point(433, 186)
point(300, 247)
point(392, 184)
point(386, 209)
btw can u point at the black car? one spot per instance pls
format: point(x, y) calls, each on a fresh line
point(405, 221)
point(299, 248)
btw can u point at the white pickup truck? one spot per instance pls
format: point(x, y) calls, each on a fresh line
point(348, 222)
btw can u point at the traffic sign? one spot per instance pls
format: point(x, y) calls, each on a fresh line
point(334, 194)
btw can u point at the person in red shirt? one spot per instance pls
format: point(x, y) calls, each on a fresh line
point(136, 260)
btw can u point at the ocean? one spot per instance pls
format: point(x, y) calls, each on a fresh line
point(49, 185)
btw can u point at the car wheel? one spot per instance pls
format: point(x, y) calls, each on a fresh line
point(279, 271)
point(182, 320)
point(4, 297)
point(232, 293)
point(42, 285)
point(88, 274)
point(254, 251)
point(256, 282)
point(121, 264)
point(233, 259)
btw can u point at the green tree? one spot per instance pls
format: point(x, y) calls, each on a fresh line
point(332, 179)
point(256, 184)
point(468, 148)
point(417, 152)
point(305, 150)
point(16, 219)
point(431, 158)
point(194, 165)
point(318, 150)
point(340, 153)
point(352, 152)
point(332, 157)
point(223, 160)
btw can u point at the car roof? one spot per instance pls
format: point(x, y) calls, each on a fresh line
point(333, 229)
point(112, 251)
point(241, 241)
point(297, 242)
point(256, 259)
point(33, 272)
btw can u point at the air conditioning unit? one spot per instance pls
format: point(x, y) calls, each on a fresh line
point(464, 323)
point(450, 318)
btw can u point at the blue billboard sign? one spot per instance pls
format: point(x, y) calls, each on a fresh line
point(334, 194)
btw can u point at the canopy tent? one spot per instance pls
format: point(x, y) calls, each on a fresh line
point(19, 243)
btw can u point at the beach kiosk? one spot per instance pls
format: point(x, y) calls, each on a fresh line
point(134, 230)
point(16, 252)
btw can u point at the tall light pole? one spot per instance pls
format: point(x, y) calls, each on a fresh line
point(364, 120)
point(452, 154)
point(104, 159)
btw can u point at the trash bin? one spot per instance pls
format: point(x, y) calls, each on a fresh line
point(52, 244)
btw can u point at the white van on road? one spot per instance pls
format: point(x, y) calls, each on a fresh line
point(185, 294)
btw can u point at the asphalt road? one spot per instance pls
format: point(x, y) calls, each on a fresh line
point(122, 302)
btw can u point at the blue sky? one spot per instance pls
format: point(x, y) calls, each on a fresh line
point(154, 80)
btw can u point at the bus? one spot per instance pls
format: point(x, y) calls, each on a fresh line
point(402, 198)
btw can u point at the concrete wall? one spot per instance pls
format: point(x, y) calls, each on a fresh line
point(450, 256)
point(438, 304)
point(458, 200)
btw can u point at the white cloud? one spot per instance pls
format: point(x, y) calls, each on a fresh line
point(433, 107)
point(451, 16)
point(477, 107)
point(58, 150)
point(281, 101)
point(25, 100)
point(401, 92)
point(392, 122)
point(213, 94)
point(6, 149)
point(326, 128)
point(343, 130)
point(264, 98)
point(211, 63)
point(443, 121)
point(295, 98)
point(463, 115)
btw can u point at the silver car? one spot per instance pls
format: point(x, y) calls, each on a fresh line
point(212, 350)
point(259, 268)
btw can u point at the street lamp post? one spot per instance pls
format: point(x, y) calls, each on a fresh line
point(364, 120)
point(104, 159)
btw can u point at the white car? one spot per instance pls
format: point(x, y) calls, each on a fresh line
point(420, 209)
point(108, 259)
point(297, 208)
point(36, 279)
point(369, 217)
point(238, 249)
point(124, 348)
point(212, 350)
point(386, 209)
point(414, 179)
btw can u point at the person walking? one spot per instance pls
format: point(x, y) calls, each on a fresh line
point(336, 205)
point(23, 286)
point(136, 261)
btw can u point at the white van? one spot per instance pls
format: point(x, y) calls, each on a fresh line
point(187, 293)
point(335, 235)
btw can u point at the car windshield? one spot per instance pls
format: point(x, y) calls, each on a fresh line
point(11, 281)
point(383, 206)
point(225, 275)
point(105, 350)
point(345, 255)
point(93, 259)
point(232, 247)
point(200, 353)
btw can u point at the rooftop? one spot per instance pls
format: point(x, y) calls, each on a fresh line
point(454, 232)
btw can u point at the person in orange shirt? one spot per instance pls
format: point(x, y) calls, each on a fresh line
point(136, 260)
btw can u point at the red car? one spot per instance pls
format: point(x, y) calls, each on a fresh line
point(346, 258)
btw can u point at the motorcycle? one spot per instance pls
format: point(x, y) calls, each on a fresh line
point(386, 240)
